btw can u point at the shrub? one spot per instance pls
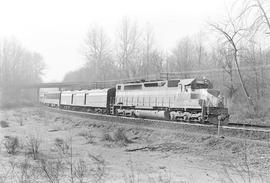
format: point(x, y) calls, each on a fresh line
point(11, 144)
point(80, 170)
point(106, 137)
point(52, 170)
point(98, 169)
point(61, 145)
point(121, 137)
point(32, 146)
point(212, 142)
point(89, 137)
point(26, 172)
point(4, 124)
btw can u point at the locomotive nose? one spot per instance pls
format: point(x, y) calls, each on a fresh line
point(215, 97)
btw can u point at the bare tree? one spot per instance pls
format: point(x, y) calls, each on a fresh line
point(200, 50)
point(98, 54)
point(10, 58)
point(148, 42)
point(232, 33)
point(225, 58)
point(257, 14)
point(156, 61)
point(182, 58)
point(129, 48)
point(18, 66)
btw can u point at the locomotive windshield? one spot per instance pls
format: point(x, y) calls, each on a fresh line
point(202, 84)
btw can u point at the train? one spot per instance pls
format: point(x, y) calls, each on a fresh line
point(189, 100)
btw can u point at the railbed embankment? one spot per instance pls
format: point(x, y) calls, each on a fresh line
point(252, 133)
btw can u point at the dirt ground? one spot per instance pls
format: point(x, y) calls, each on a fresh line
point(111, 152)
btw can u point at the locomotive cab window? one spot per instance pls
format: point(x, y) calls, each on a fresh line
point(205, 84)
point(173, 83)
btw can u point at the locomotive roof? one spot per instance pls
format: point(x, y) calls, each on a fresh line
point(186, 82)
point(97, 90)
point(49, 92)
point(182, 81)
point(86, 91)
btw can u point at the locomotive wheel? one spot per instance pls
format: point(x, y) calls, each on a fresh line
point(186, 118)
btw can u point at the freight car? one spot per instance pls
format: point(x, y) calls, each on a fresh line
point(178, 99)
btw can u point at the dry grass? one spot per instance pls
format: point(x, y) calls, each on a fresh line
point(88, 136)
point(133, 175)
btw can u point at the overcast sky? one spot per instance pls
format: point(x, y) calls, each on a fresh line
point(57, 28)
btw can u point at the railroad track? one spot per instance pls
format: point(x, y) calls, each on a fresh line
point(247, 126)
point(251, 131)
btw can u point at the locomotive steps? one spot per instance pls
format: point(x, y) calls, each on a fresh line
point(252, 133)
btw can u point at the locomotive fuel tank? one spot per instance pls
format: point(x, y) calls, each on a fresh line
point(152, 114)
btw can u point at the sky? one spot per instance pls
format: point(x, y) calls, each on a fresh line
point(57, 28)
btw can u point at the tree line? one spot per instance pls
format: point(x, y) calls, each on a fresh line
point(18, 66)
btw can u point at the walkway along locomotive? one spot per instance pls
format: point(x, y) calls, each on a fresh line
point(177, 99)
